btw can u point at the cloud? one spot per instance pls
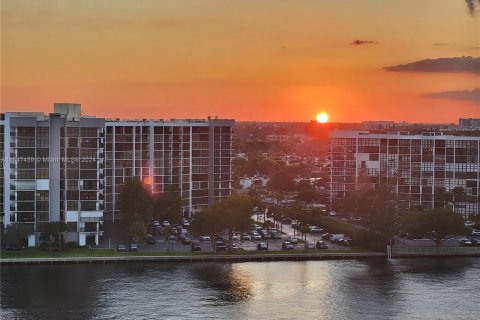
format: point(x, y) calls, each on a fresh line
point(360, 42)
point(472, 6)
point(464, 95)
point(458, 64)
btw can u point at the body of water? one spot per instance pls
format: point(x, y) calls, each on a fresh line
point(402, 289)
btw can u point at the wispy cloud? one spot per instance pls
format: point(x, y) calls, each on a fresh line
point(457, 64)
point(464, 95)
point(361, 42)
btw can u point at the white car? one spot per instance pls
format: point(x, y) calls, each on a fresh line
point(256, 236)
point(166, 223)
point(236, 237)
point(475, 232)
point(333, 213)
point(293, 240)
point(205, 238)
point(315, 229)
point(246, 237)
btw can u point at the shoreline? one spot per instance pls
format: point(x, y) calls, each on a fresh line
point(193, 258)
point(219, 258)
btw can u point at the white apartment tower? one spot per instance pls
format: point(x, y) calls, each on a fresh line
point(425, 170)
point(68, 167)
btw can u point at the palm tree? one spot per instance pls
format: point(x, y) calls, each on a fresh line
point(304, 229)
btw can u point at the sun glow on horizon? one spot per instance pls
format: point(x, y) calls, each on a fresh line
point(322, 117)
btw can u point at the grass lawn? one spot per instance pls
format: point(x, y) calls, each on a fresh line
point(84, 252)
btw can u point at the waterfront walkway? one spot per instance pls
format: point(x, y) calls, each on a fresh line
point(194, 258)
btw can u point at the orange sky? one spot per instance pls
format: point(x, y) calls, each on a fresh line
point(249, 60)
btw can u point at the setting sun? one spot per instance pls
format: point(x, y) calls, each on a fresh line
point(322, 117)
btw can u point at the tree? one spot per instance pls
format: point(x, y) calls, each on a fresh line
point(308, 197)
point(137, 229)
point(228, 215)
point(51, 232)
point(378, 210)
point(169, 205)
point(441, 197)
point(458, 195)
point(281, 182)
point(135, 201)
point(268, 224)
point(16, 234)
point(168, 231)
point(304, 230)
point(436, 224)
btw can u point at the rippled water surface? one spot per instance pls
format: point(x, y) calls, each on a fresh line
point(402, 289)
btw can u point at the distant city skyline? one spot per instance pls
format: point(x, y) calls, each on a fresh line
point(414, 61)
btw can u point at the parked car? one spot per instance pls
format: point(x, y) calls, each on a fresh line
point(266, 235)
point(195, 246)
point(221, 246)
point(121, 248)
point(321, 245)
point(233, 247)
point(172, 237)
point(309, 246)
point(315, 229)
point(293, 240)
point(257, 237)
point(246, 237)
point(287, 246)
point(236, 237)
point(186, 240)
point(205, 238)
point(464, 242)
point(326, 236)
point(262, 246)
point(475, 232)
point(166, 223)
point(277, 235)
point(133, 247)
point(332, 213)
point(338, 236)
point(345, 241)
point(149, 239)
point(476, 242)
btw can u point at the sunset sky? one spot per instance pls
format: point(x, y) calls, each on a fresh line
point(249, 60)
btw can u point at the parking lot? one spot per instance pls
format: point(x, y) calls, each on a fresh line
point(114, 236)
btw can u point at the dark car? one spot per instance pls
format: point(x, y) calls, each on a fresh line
point(121, 248)
point(221, 246)
point(475, 242)
point(287, 246)
point(133, 247)
point(149, 239)
point(321, 245)
point(464, 242)
point(309, 246)
point(195, 246)
point(262, 246)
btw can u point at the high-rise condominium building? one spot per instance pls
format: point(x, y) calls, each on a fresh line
point(425, 170)
point(192, 157)
point(68, 167)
